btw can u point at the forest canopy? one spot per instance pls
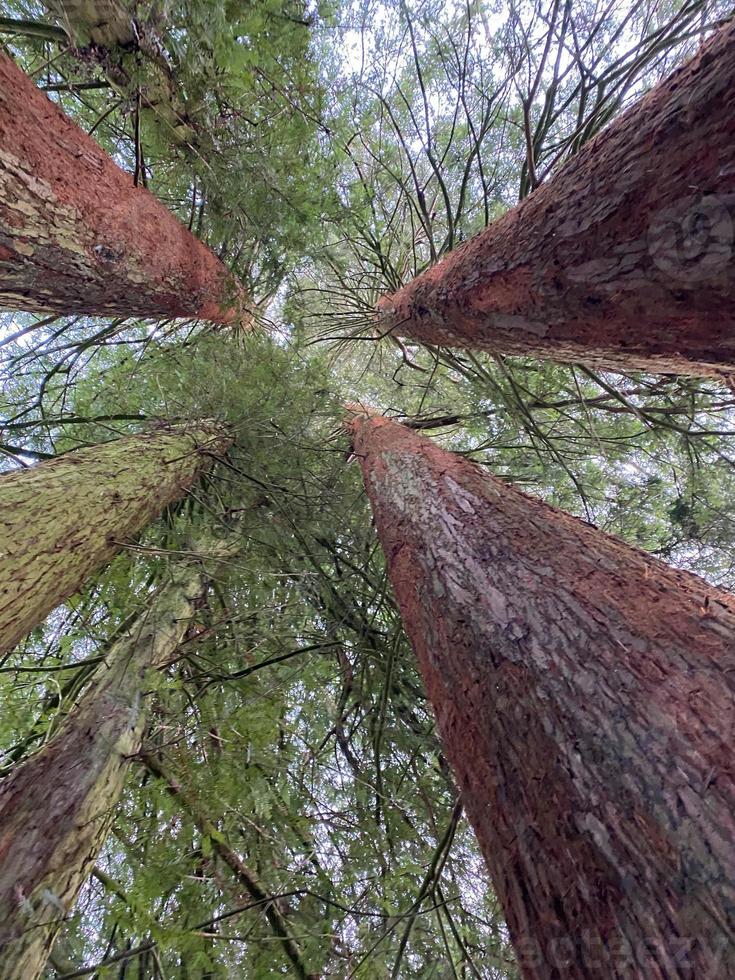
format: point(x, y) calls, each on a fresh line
point(291, 810)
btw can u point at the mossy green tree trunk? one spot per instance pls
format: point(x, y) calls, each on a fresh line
point(76, 234)
point(64, 518)
point(102, 24)
point(622, 260)
point(121, 41)
point(55, 809)
point(585, 694)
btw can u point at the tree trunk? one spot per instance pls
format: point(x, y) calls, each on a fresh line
point(55, 810)
point(101, 24)
point(128, 49)
point(623, 260)
point(585, 693)
point(76, 235)
point(62, 519)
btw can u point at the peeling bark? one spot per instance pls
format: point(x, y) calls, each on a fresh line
point(622, 260)
point(76, 235)
point(56, 809)
point(585, 694)
point(62, 519)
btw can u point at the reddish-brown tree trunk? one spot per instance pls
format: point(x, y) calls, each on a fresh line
point(623, 260)
point(76, 235)
point(62, 519)
point(585, 693)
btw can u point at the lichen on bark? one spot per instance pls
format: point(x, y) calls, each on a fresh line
point(64, 518)
point(56, 808)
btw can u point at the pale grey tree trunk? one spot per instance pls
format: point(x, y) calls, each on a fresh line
point(56, 808)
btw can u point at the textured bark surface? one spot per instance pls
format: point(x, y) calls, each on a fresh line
point(64, 518)
point(624, 259)
point(55, 810)
point(76, 235)
point(585, 694)
point(111, 34)
point(100, 23)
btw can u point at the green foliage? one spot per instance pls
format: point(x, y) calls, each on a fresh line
point(328, 163)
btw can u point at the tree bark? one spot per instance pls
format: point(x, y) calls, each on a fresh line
point(105, 24)
point(622, 260)
point(585, 693)
point(62, 519)
point(113, 35)
point(55, 810)
point(76, 235)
